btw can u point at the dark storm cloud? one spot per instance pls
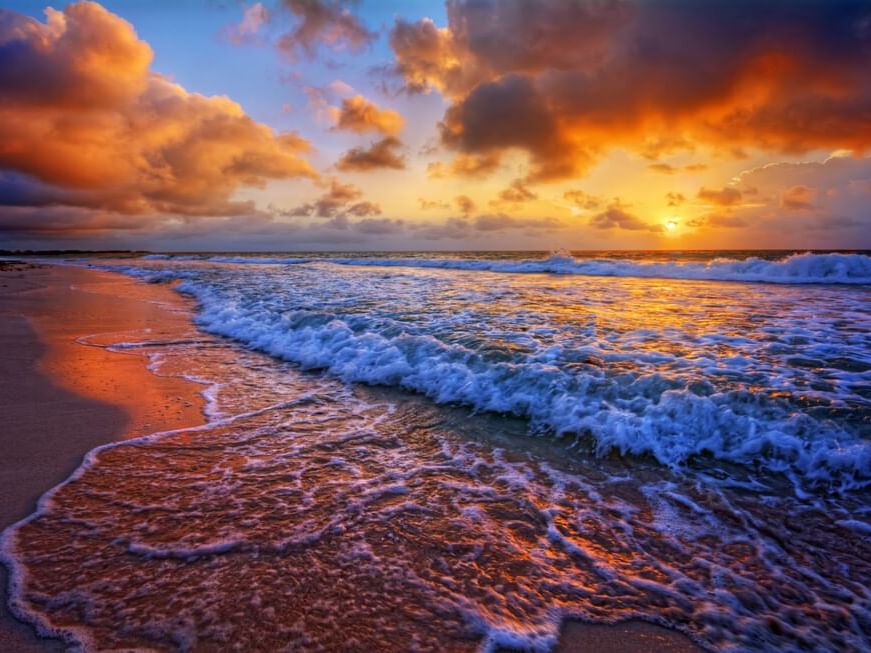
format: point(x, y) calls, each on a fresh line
point(564, 80)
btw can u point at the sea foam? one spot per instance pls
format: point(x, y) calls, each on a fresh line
point(308, 509)
point(647, 414)
point(807, 268)
point(773, 378)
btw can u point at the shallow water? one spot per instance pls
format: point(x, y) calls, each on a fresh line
point(701, 461)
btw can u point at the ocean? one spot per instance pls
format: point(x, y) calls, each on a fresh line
point(460, 451)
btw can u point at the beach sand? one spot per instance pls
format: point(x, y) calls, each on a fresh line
point(62, 397)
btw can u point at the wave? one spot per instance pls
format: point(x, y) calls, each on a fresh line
point(261, 261)
point(171, 257)
point(808, 268)
point(648, 414)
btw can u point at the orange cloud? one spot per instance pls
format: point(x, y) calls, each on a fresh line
point(381, 154)
point(798, 198)
point(668, 169)
point(726, 196)
point(616, 217)
point(582, 200)
point(426, 204)
point(465, 204)
point(719, 221)
point(567, 81)
point(359, 115)
point(82, 115)
point(675, 199)
point(464, 165)
point(516, 193)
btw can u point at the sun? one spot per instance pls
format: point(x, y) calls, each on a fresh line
point(671, 225)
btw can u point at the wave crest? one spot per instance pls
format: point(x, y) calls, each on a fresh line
point(807, 268)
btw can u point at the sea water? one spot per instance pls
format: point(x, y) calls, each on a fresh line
point(457, 452)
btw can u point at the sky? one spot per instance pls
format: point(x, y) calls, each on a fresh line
point(288, 125)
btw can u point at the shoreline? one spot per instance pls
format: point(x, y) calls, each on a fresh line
point(113, 396)
point(62, 398)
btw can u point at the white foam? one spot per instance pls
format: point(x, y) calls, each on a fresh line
point(798, 268)
point(807, 268)
point(671, 424)
point(595, 553)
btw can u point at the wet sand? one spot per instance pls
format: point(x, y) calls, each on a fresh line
point(627, 637)
point(60, 399)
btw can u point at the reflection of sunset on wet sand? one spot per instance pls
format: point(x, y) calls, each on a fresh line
point(452, 325)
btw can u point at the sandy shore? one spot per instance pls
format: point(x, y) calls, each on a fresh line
point(60, 398)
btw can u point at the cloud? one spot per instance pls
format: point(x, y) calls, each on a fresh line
point(359, 115)
point(726, 196)
point(502, 221)
point(247, 31)
point(67, 222)
point(565, 81)
point(83, 118)
point(427, 56)
point(516, 193)
point(675, 199)
point(798, 198)
point(464, 165)
point(582, 200)
point(381, 154)
point(361, 209)
point(460, 228)
point(664, 168)
point(719, 220)
point(835, 176)
point(487, 39)
point(339, 199)
point(452, 228)
point(616, 217)
point(84, 228)
point(511, 113)
point(323, 22)
point(668, 169)
point(465, 204)
point(379, 226)
point(340, 87)
point(432, 204)
point(828, 196)
point(725, 220)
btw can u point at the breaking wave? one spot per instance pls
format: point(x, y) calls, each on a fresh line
point(643, 414)
point(808, 268)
